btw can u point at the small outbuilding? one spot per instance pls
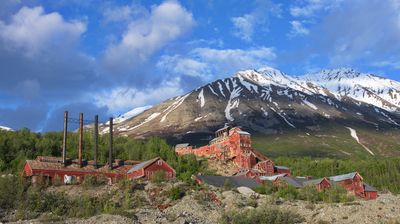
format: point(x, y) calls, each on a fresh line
point(370, 192)
point(147, 168)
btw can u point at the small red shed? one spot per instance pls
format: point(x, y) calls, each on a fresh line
point(370, 192)
point(146, 169)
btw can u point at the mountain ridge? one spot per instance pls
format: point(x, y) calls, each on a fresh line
point(270, 102)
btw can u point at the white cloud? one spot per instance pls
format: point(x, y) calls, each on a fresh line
point(124, 98)
point(245, 25)
point(370, 34)
point(33, 31)
point(298, 29)
point(208, 63)
point(311, 7)
point(123, 13)
point(183, 66)
point(166, 22)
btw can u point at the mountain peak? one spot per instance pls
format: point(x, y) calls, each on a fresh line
point(334, 74)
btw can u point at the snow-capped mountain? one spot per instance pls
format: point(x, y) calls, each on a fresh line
point(367, 88)
point(269, 101)
point(6, 128)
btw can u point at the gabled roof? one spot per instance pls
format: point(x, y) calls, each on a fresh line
point(219, 181)
point(344, 176)
point(182, 145)
point(369, 188)
point(273, 177)
point(295, 182)
point(243, 132)
point(143, 165)
point(282, 167)
point(314, 182)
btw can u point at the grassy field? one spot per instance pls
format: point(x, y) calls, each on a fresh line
point(334, 141)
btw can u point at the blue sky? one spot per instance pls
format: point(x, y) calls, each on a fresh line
point(107, 57)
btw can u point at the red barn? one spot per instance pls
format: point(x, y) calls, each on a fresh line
point(353, 182)
point(148, 168)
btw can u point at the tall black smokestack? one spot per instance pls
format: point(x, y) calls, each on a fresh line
point(80, 145)
point(96, 139)
point(64, 146)
point(110, 152)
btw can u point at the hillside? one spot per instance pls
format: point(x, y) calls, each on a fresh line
point(331, 113)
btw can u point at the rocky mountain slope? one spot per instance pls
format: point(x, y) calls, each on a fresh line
point(269, 102)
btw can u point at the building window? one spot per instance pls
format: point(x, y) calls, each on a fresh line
point(159, 162)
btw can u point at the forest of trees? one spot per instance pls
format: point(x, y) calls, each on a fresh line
point(16, 147)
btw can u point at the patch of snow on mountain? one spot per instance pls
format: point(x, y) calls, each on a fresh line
point(232, 103)
point(212, 90)
point(353, 134)
point(174, 105)
point(131, 114)
point(6, 128)
point(221, 89)
point(151, 117)
point(284, 118)
point(310, 104)
point(201, 98)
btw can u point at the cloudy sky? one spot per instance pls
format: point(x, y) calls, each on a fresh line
point(107, 57)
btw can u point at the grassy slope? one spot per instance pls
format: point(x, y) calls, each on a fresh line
point(334, 141)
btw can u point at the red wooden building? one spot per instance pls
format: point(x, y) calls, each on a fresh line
point(233, 144)
point(148, 168)
point(354, 183)
point(49, 168)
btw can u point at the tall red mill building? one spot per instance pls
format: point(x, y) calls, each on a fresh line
point(233, 144)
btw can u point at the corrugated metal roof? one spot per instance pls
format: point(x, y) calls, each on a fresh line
point(272, 178)
point(219, 181)
point(182, 145)
point(282, 167)
point(295, 182)
point(313, 182)
point(243, 132)
point(343, 176)
point(369, 188)
point(142, 165)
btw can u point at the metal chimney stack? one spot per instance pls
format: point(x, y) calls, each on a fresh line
point(110, 152)
point(64, 146)
point(80, 145)
point(96, 139)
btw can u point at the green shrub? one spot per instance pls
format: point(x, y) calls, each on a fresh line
point(158, 177)
point(310, 193)
point(94, 181)
point(227, 185)
point(10, 189)
point(288, 192)
point(176, 193)
point(336, 194)
point(266, 188)
point(262, 215)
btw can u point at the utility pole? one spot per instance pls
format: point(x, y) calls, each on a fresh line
point(64, 146)
point(110, 152)
point(80, 145)
point(96, 138)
